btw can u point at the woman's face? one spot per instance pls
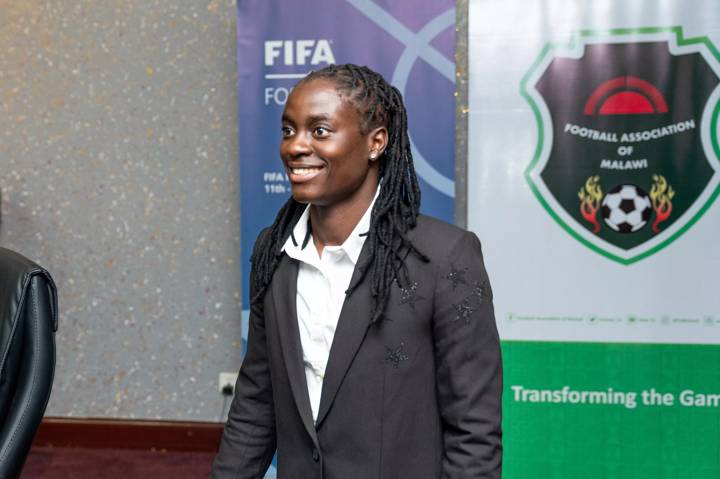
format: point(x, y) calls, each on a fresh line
point(327, 157)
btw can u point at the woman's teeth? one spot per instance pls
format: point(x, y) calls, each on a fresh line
point(305, 171)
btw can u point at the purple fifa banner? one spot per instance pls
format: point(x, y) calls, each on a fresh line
point(411, 43)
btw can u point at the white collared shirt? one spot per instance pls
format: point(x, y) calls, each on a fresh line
point(321, 285)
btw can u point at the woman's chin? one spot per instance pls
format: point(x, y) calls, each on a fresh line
point(303, 194)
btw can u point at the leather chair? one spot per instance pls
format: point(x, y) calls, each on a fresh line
point(28, 321)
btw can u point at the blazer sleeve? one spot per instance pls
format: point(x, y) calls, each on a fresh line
point(248, 442)
point(468, 364)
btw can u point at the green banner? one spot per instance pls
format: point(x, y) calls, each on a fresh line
point(584, 410)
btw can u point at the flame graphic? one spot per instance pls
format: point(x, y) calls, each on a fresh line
point(661, 195)
point(590, 196)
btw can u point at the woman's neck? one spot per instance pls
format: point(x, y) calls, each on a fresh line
point(332, 225)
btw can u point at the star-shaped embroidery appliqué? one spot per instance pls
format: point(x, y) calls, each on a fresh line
point(479, 290)
point(409, 295)
point(456, 276)
point(396, 355)
point(464, 310)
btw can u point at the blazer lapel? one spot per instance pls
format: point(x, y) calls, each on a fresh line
point(349, 334)
point(284, 289)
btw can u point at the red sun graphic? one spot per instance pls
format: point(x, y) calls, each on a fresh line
point(626, 95)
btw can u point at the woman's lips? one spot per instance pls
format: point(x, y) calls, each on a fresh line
point(303, 174)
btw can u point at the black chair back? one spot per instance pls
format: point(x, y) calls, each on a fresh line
point(28, 321)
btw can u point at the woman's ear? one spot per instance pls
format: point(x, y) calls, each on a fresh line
point(377, 141)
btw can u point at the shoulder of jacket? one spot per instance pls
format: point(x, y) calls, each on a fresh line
point(258, 239)
point(439, 228)
point(435, 237)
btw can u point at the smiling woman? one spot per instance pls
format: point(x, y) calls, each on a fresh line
point(372, 352)
point(371, 119)
point(331, 161)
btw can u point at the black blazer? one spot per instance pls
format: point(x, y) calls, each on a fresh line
point(416, 396)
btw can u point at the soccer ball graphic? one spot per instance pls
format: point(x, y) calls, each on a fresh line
point(626, 209)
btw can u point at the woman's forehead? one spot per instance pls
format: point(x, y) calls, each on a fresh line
point(318, 96)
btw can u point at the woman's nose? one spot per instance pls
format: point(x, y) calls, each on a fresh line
point(297, 145)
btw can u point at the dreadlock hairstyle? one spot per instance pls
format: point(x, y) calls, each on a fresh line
point(397, 205)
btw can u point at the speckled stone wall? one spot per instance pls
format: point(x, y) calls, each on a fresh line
point(461, 111)
point(118, 171)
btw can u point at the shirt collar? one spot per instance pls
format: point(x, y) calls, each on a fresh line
point(301, 236)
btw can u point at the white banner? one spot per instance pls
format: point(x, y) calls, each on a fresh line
point(594, 167)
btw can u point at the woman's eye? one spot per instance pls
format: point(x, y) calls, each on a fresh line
point(286, 131)
point(321, 131)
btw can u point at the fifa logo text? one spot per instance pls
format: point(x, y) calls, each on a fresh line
point(298, 52)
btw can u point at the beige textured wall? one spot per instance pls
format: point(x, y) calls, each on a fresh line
point(118, 170)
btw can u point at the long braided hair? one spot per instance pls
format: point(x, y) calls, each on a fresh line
point(397, 205)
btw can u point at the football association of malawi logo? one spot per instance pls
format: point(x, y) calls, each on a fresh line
point(627, 158)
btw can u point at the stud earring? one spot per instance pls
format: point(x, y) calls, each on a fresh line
point(373, 155)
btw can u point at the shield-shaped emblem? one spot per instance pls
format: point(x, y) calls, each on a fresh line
point(628, 157)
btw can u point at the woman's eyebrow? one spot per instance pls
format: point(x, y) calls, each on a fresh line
point(317, 118)
point(310, 119)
